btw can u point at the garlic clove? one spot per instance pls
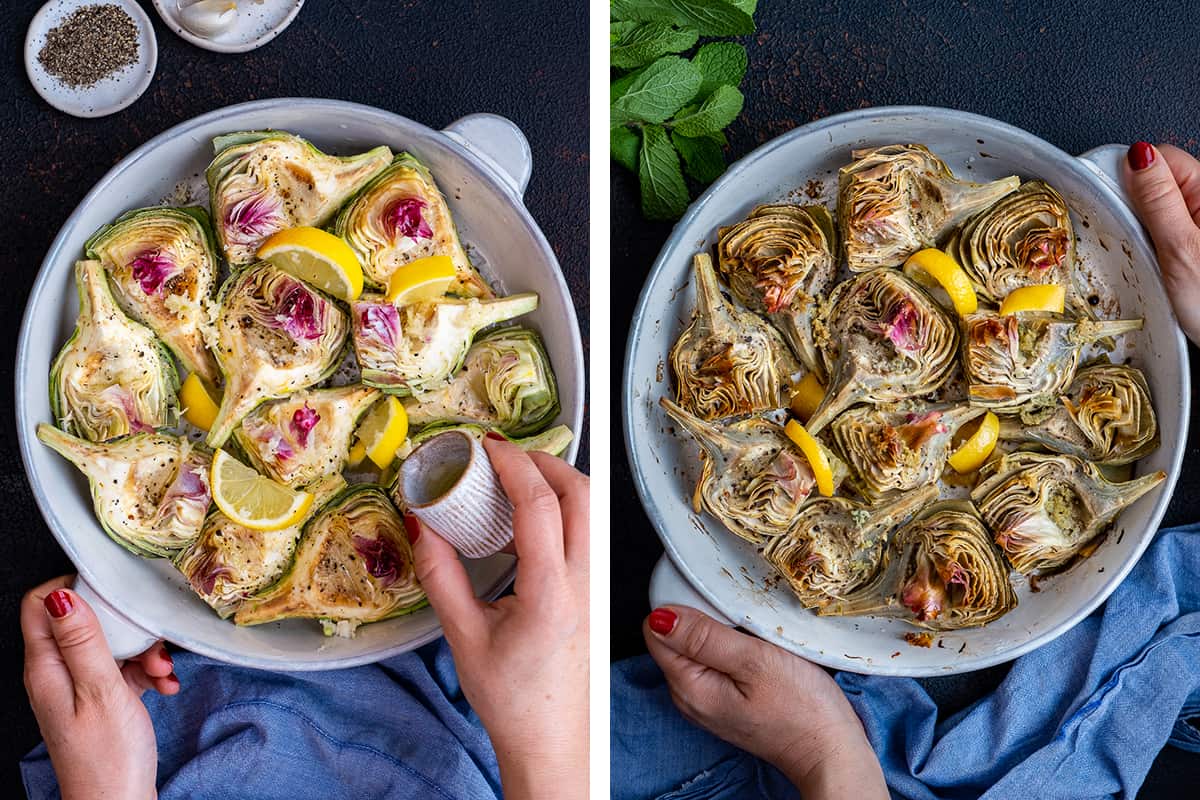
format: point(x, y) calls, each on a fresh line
point(209, 17)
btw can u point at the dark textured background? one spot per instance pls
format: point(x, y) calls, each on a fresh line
point(430, 61)
point(1078, 74)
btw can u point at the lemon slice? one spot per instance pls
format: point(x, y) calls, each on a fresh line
point(423, 279)
point(814, 453)
point(1046, 297)
point(806, 396)
point(254, 500)
point(317, 257)
point(358, 454)
point(198, 406)
point(383, 431)
point(932, 267)
point(976, 449)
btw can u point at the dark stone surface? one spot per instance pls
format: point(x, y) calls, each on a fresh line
point(1078, 74)
point(430, 61)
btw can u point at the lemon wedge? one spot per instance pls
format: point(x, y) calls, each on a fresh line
point(932, 267)
point(317, 257)
point(1046, 297)
point(978, 446)
point(198, 406)
point(423, 279)
point(254, 500)
point(358, 454)
point(806, 396)
point(815, 454)
point(382, 432)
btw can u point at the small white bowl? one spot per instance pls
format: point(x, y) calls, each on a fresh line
point(257, 23)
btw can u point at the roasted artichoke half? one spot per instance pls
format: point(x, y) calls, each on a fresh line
point(399, 216)
point(728, 362)
point(554, 441)
point(885, 340)
point(261, 182)
point(150, 491)
point(1044, 510)
point(778, 262)
point(112, 377)
point(163, 266)
point(275, 335)
point(353, 564)
point(897, 199)
point(753, 478)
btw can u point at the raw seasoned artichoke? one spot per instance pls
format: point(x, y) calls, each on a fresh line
point(112, 377)
point(150, 491)
point(353, 564)
point(416, 348)
point(886, 340)
point(163, 266)
point(897, 199)
point(778, 262)
point(506, 384)
point(1027, 358)
point(1046, 509)
point(728, 362)
point(261, 182)
point(554, 441)
point(304, 437)
point(753, 479)
point(399, 216)
point(275, 335)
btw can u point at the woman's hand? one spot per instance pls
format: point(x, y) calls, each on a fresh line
point(523, 660)
point(766, 701)
point(1164, 183)
point(87, 705)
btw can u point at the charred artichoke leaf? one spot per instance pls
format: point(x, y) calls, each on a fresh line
point(554, 441)
point(897, 199)
point(306, 436)
point(150, 491)
point(753, 478)
point(113, 377)
point(728, 362)
point(399, 216)
point(353, 564)
point(275, 335)
point(1044, 510)
point(262, 182)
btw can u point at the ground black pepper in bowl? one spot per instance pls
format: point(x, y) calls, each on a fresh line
point(90, 44)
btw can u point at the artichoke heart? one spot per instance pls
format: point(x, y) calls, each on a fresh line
point(554, 441)
point(399, 216)
point(898, 199)
point(275, 335)
point(1044, 510)
point(262, 182)
point(353, 563)
point(150, 491)
point(112, 378)
point(163, 266)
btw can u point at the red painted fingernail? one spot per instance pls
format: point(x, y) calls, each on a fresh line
point(1140, 155)
point(173, 678)
point(662, 621)
point(59, 604)
point(167, 656)
point(494, 435)
point(413, 526)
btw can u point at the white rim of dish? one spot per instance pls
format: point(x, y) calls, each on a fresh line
point(171, 20)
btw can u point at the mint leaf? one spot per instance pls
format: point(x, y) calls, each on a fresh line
point(749, 6)
point(702, 158)
point(648, 41)
point(720, 64)
point(624, 144)
point(708, 17)
point(664, 194)
point(617, 29)
point(621, 85)
point(660, 91)
point(720, 109)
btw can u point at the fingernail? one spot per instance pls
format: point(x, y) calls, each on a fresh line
point(173, 678)
point(170, 660)
point(662, 621)
point(413, 526)
point(1140, 155)
point(59, 604)
point(495, 436)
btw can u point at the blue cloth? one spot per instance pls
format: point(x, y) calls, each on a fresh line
point(1082, 717)
point(398, 729)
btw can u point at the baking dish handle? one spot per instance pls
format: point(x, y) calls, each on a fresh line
point(668, 587)
point(498, 143)
point(1105, 161)
point(124, 638)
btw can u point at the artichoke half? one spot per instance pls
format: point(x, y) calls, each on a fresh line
point(112, 378)
point(150, 491)
point(275, 335)
point(163, 266)
point(728, 362)
point(897, 199)
point(262, 182)
point(554, 441)
point(778, 262)
point(1044, 510)
point(399, 216)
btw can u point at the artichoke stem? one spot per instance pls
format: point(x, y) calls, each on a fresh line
point(886, 514)
point(841, 394)
point(78, 451)
point(1129, 492)
point(1094, 330)
point(964, 199)
point(710, 304)
point(710, 437)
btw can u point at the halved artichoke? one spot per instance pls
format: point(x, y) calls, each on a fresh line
point(150, 491)
point(885, 340)
point(778, 262)
point(306, 436)
point(836, 546)
point(353, 564)
point(1027, 358)
point(399, 216)
point(728, 362)
point(163, 266)
point(261, 182)
point(506, 384)
point(275, 335)
point(112, 377)
point(897, 199)
point(554, 441)
point(416, 348)
point(753, 478)
point(1044, 510)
